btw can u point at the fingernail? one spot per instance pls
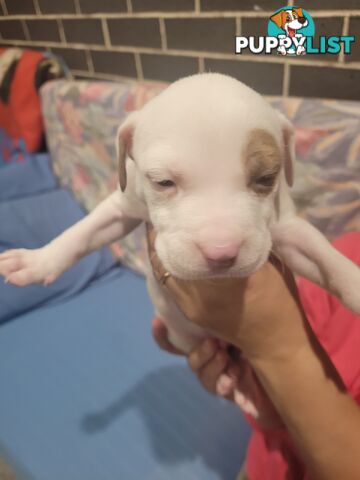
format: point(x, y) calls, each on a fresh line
point(6, 280)
point(224, 385)
point(246, 404)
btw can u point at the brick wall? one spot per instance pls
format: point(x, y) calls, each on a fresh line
point(167, 39)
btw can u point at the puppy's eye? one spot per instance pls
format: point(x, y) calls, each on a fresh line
point(264, 184)
point(266, 181)
point(166, 183)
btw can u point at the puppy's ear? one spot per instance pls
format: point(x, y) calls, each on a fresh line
point(124, 143)
point(298, 11)
point(288, 135)
point(278, 18)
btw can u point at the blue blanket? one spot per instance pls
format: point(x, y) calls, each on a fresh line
point(86, 394)
point(33, 211)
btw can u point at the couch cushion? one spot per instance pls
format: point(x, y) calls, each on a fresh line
point(327, 167)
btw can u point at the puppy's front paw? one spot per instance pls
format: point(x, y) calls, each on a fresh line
point(300, 50)
point(23, 267)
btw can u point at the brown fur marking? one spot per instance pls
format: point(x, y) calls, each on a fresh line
point(262, 154)
point(280, 17)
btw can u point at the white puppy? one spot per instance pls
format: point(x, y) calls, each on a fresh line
point(208, 163)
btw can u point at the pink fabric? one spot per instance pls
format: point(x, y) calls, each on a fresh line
point(271, 454)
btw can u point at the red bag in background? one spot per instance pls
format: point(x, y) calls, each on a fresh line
point(22, 72)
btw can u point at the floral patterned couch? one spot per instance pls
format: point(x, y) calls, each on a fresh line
point(81, 119)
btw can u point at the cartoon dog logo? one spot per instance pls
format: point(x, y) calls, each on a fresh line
point(291, 21)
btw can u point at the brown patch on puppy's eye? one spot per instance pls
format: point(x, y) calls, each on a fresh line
point(262, 161)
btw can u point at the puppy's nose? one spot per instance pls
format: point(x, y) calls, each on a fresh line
point(302, 20)
point(220, 256)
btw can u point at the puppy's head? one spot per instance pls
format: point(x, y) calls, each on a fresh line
point(290, 20)
point(208, 156)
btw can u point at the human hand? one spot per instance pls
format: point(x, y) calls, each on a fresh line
point(160, 335)
point(266, 319)
point(226, 374)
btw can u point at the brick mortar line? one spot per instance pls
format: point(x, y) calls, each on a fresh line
point(197, 6)
point(89, 61)
point(61, 30)
point(190, 53)
point(138, 65)
point(190, 14)
point(102, 75)
point(77, 7)
point(129, 6)
point(26, 30)
point(163, 34)
point(114, 77)
point(238, 26)
point(4, 7)
point(286, 80)
point(345, 31)
point(37, 7)
point(105, 31)
point(201, 65)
